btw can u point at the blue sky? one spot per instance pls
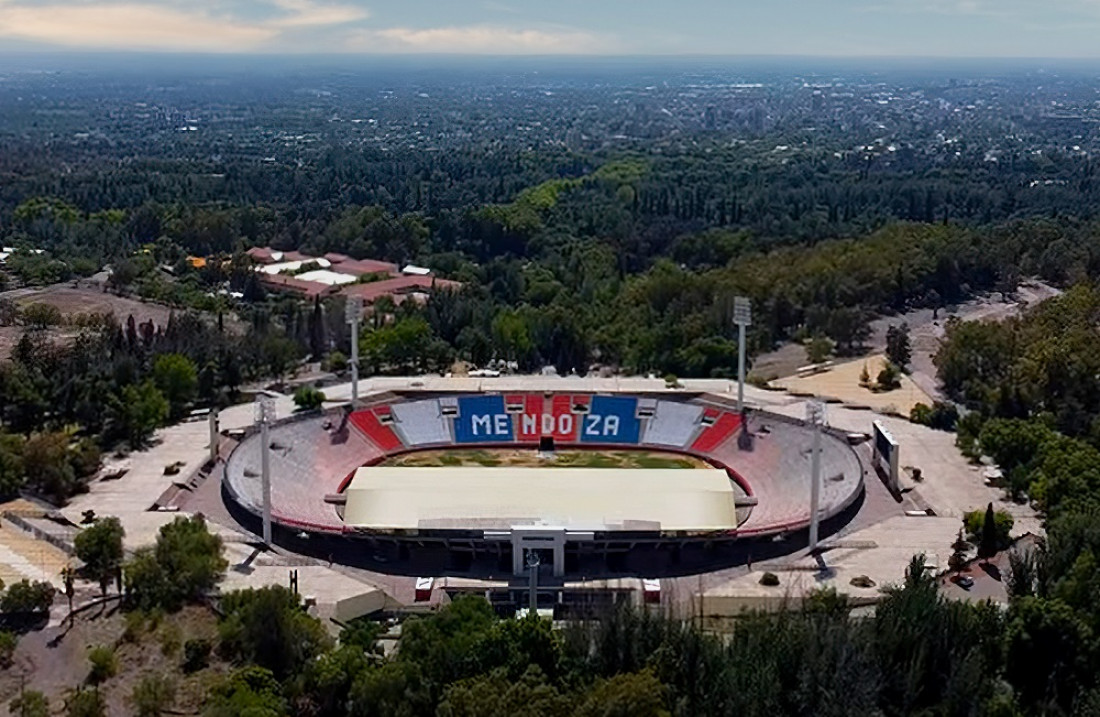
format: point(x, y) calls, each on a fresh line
point(950, 28)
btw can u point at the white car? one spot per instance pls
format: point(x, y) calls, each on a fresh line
point(484, 373)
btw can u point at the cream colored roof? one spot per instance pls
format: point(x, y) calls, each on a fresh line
point(458, 498)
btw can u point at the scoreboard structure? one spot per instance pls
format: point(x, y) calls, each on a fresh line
point(885, 450)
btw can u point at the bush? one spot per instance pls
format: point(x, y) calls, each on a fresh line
point(921, 414)
point(135, 625)
point(308, 398)
point(104, 664)
point(196, 654)
point(100, 547)
point(8, 643)
point(153, 695)
point(974, 521)
point(85, 703)
point(671, 381)
point(170, 639)
point(819, 350)
point(25, 597)
point(31, 703)
point(889, 378)
point(336, 362)
point(769, 580)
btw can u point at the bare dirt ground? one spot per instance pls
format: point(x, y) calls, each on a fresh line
point(841, 382)
point(926, 330)
point(510, 457)
point(54, 660)
point(74, 299)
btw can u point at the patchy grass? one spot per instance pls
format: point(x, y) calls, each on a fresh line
point(56, 659)
point(520, 458)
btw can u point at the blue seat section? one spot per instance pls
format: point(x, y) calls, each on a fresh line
point(482, 419)
point(611, 419)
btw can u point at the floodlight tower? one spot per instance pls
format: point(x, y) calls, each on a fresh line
point(815, 416)
point(742, 316)
point(533, 562)
point(353, 311)
point(265, 416)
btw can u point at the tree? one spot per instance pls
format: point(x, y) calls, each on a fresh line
point(47, 464)
point(100, 547)
point(268, 627)
point(12, 478)
point(177, 378)
point(638, 694)
point(248, 692)
point(974, 522)
point(153, 695)
point(308, 398)
point(987, 545)
point(185, 564)
point(898, 351)
point(8, 643)
point(819, 349)
point(140, 410)
point(104, 664)
point(41, 316)
point(495, 695)
point(30, 703)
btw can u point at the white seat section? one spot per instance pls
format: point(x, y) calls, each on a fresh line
point(420, 423)
point(673, 424)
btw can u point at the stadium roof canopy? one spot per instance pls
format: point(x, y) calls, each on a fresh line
point(591, 499)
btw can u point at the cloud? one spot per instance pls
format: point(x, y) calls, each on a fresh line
point(304, 13)
point(129, 26)
point(478, 39)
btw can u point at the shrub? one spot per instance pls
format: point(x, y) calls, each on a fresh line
point(769, 580)
point(819, 349)
point(889, 377)
point(170, 639)
point(974, 521)
point(8, 643)
point(196, 654)
point(336, 361)
point(671, 381)
point(25, 597)
point(135, 625)
point(921, 414)
point(308, 398)
point(152, 695)
point(31, 703)
point(104, 664)
point(85, 703)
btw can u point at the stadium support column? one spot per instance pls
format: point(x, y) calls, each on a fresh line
point(265, 414)
point(214, 437)
point(742, 316)
point(354, 309)
point(815, 416)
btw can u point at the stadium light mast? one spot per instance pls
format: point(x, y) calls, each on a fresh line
point(742, 316)
point(265, 415)
point(815, 416)
point(353, 309)
point(533, 562)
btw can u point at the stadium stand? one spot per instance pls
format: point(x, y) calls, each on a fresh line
point(380, 435)
point(673, 424)
point(421, 423)
point(714, 435)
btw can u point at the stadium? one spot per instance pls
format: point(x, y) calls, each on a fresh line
point(594, 484)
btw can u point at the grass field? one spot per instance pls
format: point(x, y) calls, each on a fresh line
point(492, 457)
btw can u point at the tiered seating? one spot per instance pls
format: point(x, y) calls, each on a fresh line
point(714, 435)
point(673, 424)
point(420, 423)
point(555, 420)
point(379, 434)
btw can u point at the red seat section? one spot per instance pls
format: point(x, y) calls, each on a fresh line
point(715, 434)
point(542, 418)
point(529, 429)
point(379, 434)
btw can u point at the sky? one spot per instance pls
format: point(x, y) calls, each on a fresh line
point(923, 28)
